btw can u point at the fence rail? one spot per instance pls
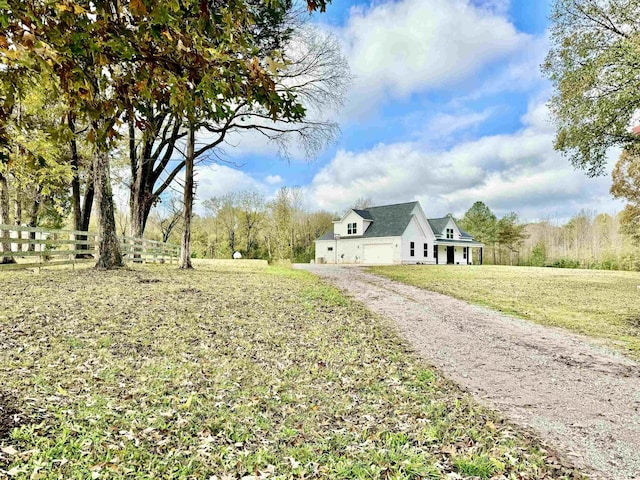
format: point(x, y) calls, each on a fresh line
point(34, 247)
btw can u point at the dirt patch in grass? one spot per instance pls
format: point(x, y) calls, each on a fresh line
point(634, 323)
point(232, 371)
point(10, 415)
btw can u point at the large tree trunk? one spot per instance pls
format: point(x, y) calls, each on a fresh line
point(85, 217)
point(17, 211)
point(185, 250)
point(109, 245)
point(140, 204)
point(87, 205)
point(141, 196)
point(80, 217)
point(4, 218)
point(81, 207)
point(140, 208)
point(33, 216)
point(148, 163)
point(75, 181)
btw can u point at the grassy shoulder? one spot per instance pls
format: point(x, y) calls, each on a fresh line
point(228, 372)
point(602, 304)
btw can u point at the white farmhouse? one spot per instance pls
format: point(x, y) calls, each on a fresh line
point(397, 234)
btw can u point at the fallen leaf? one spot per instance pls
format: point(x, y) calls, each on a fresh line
point(9, 450)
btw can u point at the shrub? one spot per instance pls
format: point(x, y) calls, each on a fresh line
point(538, 255)
point(565, 263)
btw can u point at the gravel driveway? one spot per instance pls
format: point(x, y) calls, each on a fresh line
point(579, 397)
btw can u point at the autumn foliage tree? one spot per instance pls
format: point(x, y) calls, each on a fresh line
point(109, 58)
point(626, 185)
point(302, 62)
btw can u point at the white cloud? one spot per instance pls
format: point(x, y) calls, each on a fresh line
point(520, 73)
point(273, 179)
point(444, 124)
point(240, 143)
point(403, 47)
point(519, 172)
point(217, 180)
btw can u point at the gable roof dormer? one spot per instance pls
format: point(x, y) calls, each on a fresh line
point(439, 226)
point(364, 214)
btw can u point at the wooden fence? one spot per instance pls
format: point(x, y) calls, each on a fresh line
point(33, 247)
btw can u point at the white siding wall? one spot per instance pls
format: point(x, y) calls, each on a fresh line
point(341, 227)
point(351, 250)
point(456, 232)
point(323, 252)
point(420, 233)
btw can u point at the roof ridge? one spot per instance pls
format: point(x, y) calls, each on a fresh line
point(392, 205)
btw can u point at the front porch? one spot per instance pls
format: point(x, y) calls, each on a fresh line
point(458, 253)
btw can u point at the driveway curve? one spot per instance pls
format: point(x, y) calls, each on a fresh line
point(579, 397)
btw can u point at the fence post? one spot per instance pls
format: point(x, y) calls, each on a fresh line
point(74, 246)
point(40, 248)
point(4, 245)
point(145, 249)
point(125, 250)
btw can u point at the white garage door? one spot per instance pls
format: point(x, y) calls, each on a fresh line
point(378, 253)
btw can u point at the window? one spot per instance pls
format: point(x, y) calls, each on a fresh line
point(352, 228)
point(330, 249)
point(412, 249)
point(450, 233)
point(464, 252)
point(426, 250)
point(435, 252)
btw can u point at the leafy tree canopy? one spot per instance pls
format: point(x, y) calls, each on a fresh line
point(593, 65)
point(108, 56)
point(480, 222)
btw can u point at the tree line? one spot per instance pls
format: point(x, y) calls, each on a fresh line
point(247, 222)
point(588, 240)
point(157, 84)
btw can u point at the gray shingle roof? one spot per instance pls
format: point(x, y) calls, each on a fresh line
point(438, 224)
point(463, 233)
point(364, 214)
point(392, 221)
point(386, 221)
point(326, 236)
point(389, 220)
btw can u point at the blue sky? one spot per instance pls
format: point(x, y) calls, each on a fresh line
point(447, 107)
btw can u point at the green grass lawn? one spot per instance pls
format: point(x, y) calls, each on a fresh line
point(228, 372)
point(602, 304)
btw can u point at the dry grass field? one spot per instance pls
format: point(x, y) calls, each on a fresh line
point(602, 304)
point(228, 371)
